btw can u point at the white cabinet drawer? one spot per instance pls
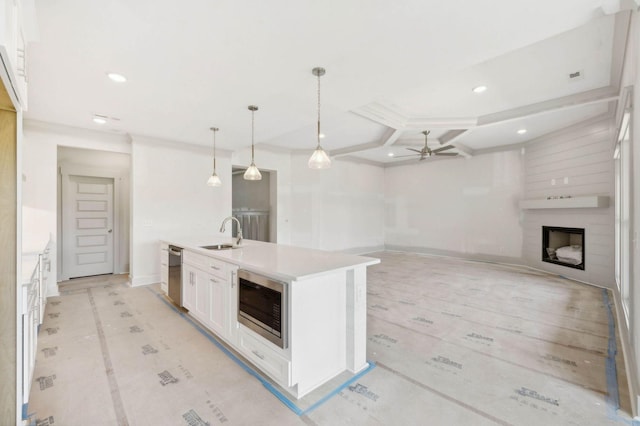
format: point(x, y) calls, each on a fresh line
point(209, 264)
point(265, 358)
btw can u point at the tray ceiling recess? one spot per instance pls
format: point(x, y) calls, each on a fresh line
point(385, 87)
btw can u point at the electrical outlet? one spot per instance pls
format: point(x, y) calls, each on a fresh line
point(566, 180)
point(553, 181)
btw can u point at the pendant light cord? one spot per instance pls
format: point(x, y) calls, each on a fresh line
point(252, 131)
point(318, 110)
point(214, 151)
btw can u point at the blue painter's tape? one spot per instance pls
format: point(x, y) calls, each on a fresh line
point(283, 398)
point(339, 389)
point(613, 398)
point(26, 415)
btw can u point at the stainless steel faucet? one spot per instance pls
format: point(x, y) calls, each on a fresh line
point(224, 222)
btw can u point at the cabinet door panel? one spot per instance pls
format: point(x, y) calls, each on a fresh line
point(188, 287)
point(219, 305)
point(203, 296)
point(164, 268)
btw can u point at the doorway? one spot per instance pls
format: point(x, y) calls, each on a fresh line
point(254, 205)
point(93, 213)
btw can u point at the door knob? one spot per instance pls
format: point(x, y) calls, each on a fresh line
point(110, 231)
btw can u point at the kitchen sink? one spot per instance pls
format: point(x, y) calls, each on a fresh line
point(218, 247)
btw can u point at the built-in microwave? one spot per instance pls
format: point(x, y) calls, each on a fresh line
point(262, 306)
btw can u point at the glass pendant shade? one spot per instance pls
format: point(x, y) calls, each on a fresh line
point(319, 159)
point(214, 180)
point(252, 173)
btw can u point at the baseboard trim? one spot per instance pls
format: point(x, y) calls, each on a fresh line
point(476, 257)
point(627, 352)
point(363, 250)
point(144, 280)
point(53, 291)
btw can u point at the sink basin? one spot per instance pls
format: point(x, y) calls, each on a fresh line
point(218, 247)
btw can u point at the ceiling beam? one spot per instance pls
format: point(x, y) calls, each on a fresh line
point(391, 136)
point(620, 42)
point(421, 123)
point(383, 113)
point(450, 136)
point(603, 94)
point(463, 150)
point(355, 148)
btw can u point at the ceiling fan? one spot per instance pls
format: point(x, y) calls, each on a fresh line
point(426, 152)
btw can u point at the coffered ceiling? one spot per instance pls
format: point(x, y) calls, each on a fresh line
point(393, 70)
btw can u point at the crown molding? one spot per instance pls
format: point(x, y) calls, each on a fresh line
point(77, 132)
point(186, 146)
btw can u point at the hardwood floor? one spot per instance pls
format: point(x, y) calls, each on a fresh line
point(453, 342)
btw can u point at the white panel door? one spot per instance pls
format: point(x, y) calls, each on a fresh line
point(87, 226)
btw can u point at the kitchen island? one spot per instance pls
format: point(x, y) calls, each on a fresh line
point(320, 329)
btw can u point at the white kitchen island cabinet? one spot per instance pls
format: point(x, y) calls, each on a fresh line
point(206, 288)
point(324, 308)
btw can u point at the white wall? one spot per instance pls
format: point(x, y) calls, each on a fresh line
point(459, 207)
point(341, 208)
point(40, 170)
point(584, 156)
point(38, 199)
point(338, 209)
point(170, 199)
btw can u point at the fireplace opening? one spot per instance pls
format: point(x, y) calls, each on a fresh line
point(563, 246)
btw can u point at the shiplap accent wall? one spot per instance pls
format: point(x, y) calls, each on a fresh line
point(583, 155)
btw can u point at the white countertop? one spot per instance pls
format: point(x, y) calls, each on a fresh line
point(288, 263)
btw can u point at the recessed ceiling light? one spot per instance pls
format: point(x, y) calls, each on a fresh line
point(522, 131)
point(479, 89)
point(391, 154)
point(321, 135)
point(118, 78)
point(99, 119)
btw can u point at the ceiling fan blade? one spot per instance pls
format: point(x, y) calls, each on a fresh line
point(444, 148)
point(448, 154)
point(415, 150)
point(408, 155)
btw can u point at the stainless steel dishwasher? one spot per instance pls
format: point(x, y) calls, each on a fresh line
point(175, 274)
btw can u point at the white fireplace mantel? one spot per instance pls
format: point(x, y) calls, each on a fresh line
point(585, 201)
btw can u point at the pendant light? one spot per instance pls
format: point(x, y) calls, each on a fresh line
point(252, 172)
point(319, 159)
point(214, 180)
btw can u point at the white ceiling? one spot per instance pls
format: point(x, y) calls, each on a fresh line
point(393, 69)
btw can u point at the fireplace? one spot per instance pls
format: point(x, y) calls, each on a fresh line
point(563, 246)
